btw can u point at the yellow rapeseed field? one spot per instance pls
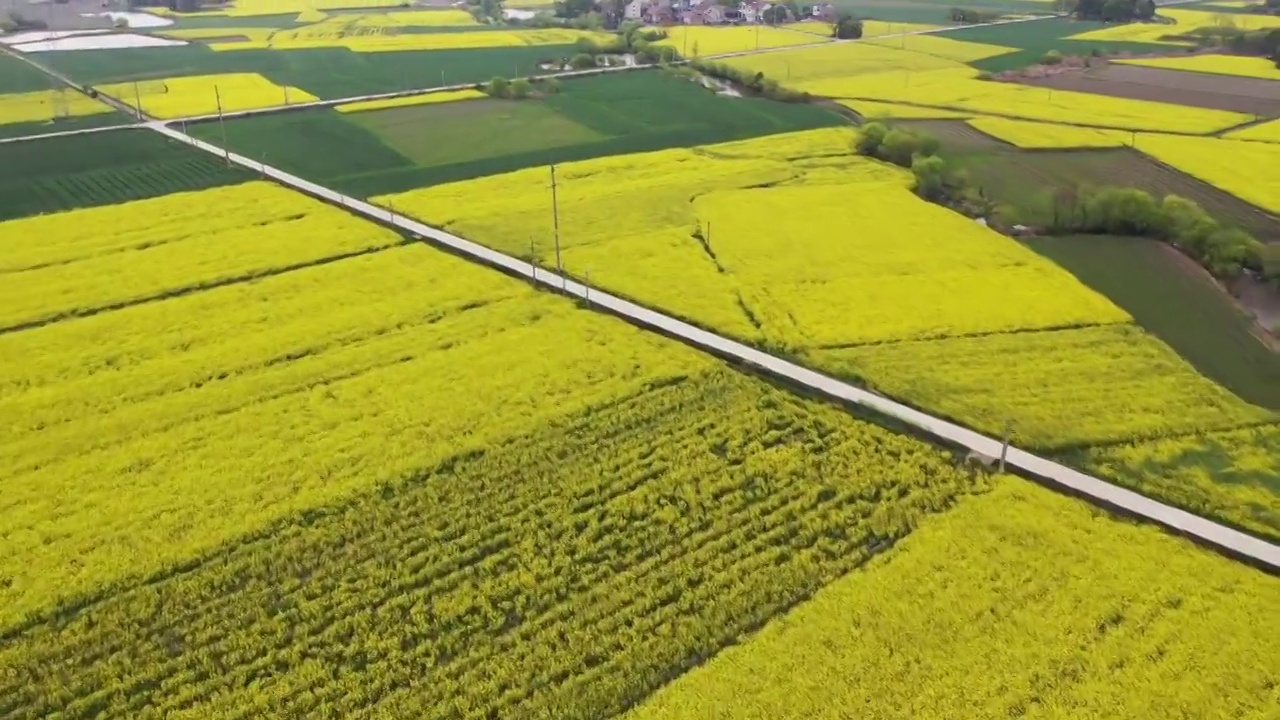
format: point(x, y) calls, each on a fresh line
point(960, 89)
point(1184, 22)
point(45, 105)
point(427, 99)
point(164, 429)
point(870, 28)
point(1237, 65)
point(893, 111)
point(943, 47)
point(1248, 170)
point(250, 8)
point(348, 32)
point(883, 73)
point(806, 68)
point(151, 248)
point(1018, 603)
point(836, 251)
point(706, 41)
point(1229, 475)
point(1066, 387)
point(194, 95)
point(1038, 135)
point(1265, 132)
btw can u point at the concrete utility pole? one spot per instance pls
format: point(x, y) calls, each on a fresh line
point(1004, 447)
point(217, 97)
point(137, 101)
point(555, 221)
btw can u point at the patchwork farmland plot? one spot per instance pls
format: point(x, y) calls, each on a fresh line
point(1250, 96)
point(934, 75)
point(32, 104)
point(327, 73)
point(386, 151)
point(1178, 302)
point(1024, 182)
point(1140, 608)
point(264, 458)
point(55, 174)
point(153, 248)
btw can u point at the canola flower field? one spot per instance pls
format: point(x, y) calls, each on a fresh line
point(703, 41)
point(1265, 132)
point(193, 95)
point(953, 618)
point(249, 456)
point(152, 248)
point(930, 71)
point(1042, 136)
point(723, 235)
point(47, 105)
point(263, 458)
point(1236, 65)
point(1248, 170)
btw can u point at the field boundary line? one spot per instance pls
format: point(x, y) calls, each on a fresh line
point(66, 133)
point(1233, 542)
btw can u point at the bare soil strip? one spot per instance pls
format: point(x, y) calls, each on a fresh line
point(1217, 92)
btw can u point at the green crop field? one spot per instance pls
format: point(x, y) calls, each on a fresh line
point(1179, 303)
point(387, 151)
point(1034, 39)
point(54, 174)
point(324, 72)
point(937, 12)
point(19, 77)
point(78, 122)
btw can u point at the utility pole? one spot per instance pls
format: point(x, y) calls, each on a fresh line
point(555, 220)
point(217, 96)
point(1004, 448)
point(533, 262)
point(286, 94)
point(137, 100)
point(586, 288)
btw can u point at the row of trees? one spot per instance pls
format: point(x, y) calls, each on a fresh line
point(1223, 250)
point(1109, 10)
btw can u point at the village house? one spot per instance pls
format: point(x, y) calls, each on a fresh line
point(824, 11)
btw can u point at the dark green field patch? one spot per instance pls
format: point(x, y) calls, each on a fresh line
point(283, 21)
point(454, 132)
point(321, 145)
point(1176, 301)
point(1033, 39)
point(79, 122)
point(55, 174)
point(590, 117)
point(327, 73)
point(19, 77)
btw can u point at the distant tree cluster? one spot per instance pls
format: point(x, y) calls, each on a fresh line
point(971, 16)
point(1115, 10)
point(918, 151)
